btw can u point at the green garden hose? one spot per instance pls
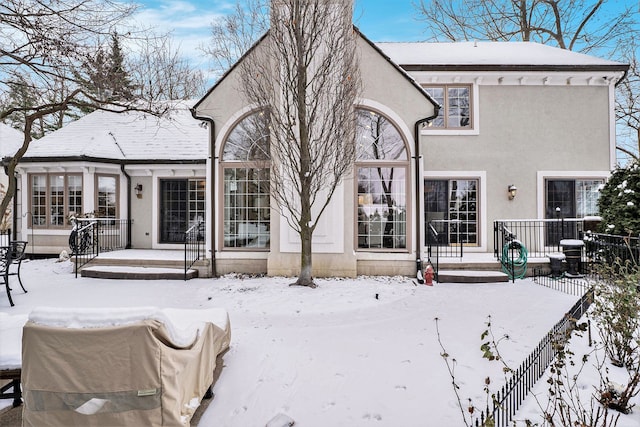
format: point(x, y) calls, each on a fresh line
point(514, 267)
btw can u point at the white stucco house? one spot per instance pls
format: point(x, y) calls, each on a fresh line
point(465, 123)
point(135, 166)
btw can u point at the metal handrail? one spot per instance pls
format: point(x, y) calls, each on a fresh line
point(193, 245)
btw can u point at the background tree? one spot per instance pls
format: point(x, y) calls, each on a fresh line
point(105, 74)
point(49, 56)
point(49, 42)
point(619, 202)
point(305, 75)
point(580, 25)
point(628, 107)
point(233, 35)
point(161, 73)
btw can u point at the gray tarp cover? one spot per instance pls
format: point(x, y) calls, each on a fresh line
point(130, 375)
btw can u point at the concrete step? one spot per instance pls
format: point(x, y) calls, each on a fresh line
point(132, 262)
point(472, 276)
point(136, 273)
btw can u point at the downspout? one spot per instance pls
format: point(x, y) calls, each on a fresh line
point(212, 214)
point(436, 111)
point(124, 172)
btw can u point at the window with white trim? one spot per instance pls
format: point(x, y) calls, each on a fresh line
point(456, 105)
point(451, 207)
point(107, 196)
point(246, 184)
point(382, 165)
point(54, 197)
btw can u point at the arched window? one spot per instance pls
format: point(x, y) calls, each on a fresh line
point(245, 166)
point(382, 169)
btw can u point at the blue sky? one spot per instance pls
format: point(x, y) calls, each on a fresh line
point(189, 21)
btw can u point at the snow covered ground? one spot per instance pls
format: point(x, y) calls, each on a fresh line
point(355, 352)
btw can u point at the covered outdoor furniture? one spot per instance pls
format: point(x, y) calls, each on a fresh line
point(10, 356)
point(117, 367)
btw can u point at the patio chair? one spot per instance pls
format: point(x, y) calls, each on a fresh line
point(139, 366)
point(5, 263)
point(18, 248)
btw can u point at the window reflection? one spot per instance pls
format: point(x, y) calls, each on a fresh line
point(382, 178)
point(246, 191)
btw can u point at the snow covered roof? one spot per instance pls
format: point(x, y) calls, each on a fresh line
point(487, 55)
point(10, 140)
point(130, 136)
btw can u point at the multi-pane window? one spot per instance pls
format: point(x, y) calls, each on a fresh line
point(381, 170)
point(54, 197)
point(246, 184)
point(39, 199)
point(451, 208)
point(575, 198)
point(456, 106)
point(182, 204)
point(107, 196)
point(569, 198)
point(246, 208)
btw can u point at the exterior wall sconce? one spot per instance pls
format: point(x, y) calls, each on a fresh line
point(512, 190)
point(138, 189)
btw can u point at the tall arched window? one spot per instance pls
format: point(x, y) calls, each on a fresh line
point(382, 169)
point(245, 166)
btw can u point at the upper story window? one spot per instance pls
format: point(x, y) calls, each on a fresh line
point(382, 173)
point(456, 105)
point(246, 184)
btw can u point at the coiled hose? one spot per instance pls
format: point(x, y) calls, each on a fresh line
point(514, 267)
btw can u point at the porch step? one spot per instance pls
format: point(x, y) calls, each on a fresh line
point(136, 273)
point(471, 276)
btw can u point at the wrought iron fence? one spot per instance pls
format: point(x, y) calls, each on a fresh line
point(607, 248)
point(509, 398)
point(194, 245)
point(540, 237)
point(567, 285)
point(91, 236)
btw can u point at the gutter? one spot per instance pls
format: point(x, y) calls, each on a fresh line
point(212, 214)
point(124, 172)
point(416, 129)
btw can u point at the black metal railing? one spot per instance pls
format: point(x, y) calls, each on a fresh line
point(607, 248)
point(572, 286)
point(91, 236)
point(540, 237)
point(447, 236)
point(509, 398)
point(194, 246)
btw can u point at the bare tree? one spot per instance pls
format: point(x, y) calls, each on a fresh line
point(162, 73)
point(580, 25)
point(305, 75)
point(628, 108)
point(48, 42)
point(232, 35)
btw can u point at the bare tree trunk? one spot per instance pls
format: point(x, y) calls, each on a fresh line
point(305, 74)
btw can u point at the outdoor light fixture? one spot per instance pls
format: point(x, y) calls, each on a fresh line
point(512, 190)
point(138, 189)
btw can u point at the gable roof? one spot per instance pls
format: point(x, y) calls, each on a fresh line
point(10, 140)
point(129, 137)
point(493, 56)
point(383, 54)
